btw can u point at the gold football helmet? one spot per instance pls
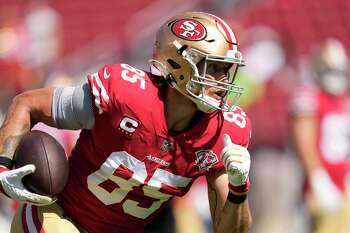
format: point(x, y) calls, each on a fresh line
point(192, 38)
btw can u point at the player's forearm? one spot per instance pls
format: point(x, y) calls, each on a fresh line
point(25, 111)
point(304, 135)
point(16, 124)
point(309, 160)
point(234, 218)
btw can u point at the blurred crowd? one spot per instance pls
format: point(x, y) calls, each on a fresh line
point(296, 92)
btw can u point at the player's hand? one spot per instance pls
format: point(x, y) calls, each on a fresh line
point(11, 182)
point(236, 159)
point(326, 193)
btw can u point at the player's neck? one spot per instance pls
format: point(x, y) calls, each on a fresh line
point(180, 111)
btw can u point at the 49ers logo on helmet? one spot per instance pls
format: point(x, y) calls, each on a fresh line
point(189, 29)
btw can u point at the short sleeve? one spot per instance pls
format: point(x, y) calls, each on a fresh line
point(238, 126)
point(303, 103)
point(101, 85)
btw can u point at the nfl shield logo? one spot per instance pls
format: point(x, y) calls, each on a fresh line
point(205, 159)
point(166, 146)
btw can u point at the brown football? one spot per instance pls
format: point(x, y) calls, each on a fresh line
point(49, 158)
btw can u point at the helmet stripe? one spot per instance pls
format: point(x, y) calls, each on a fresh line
point(228, 31)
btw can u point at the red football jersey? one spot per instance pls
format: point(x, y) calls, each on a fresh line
point(124, 170)
point(333, 132)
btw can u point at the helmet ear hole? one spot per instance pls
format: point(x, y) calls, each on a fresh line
point(173, 64)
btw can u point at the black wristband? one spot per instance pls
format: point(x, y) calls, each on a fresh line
point(236, 199)
point(6, 162)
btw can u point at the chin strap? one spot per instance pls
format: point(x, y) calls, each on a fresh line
point(160, 70)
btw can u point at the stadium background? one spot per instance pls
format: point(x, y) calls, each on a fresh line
point(59, 42)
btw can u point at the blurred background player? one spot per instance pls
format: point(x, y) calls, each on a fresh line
point(321, 132)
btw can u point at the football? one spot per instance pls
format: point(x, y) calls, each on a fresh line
point(49, 158)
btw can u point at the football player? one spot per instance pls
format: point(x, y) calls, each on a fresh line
point(320, 124)
point(146, 136)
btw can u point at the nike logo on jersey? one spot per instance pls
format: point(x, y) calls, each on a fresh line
point(105, 75)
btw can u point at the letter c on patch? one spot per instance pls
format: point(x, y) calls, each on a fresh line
point(128, 124)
